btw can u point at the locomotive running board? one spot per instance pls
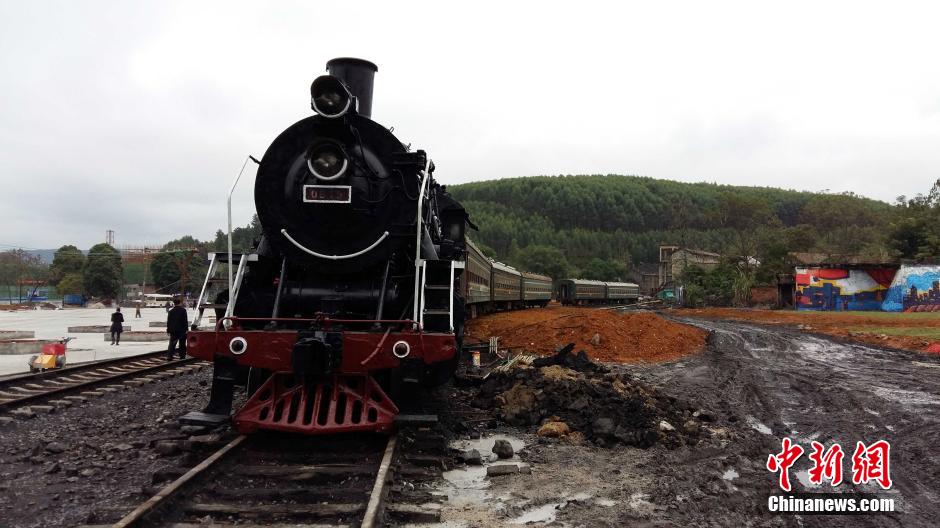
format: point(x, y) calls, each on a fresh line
point(337, 404)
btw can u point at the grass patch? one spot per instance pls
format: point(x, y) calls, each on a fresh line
point(887, 316)
point(913, 331)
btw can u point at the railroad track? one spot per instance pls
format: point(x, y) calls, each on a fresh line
point(44, 386)
point(289, 480)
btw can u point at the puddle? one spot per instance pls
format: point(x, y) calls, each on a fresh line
point(730, 474)
point(544, 513)
point(757, 426)
point(468, 484)
point(547, 512)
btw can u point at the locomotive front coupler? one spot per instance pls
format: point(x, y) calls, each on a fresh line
point(316, 354)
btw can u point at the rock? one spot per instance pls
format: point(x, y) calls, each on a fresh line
point(472, 457)
point(666, 426)
point(525, 470)
point(6, 421)
point(193, 429)
point(167, 447)
point(553, 429)
point(55, 447)
point(72, 479)
point(503, 449)
point(517, 404)
point(90, 472)
point(501, 469)
point(603, 427)
point(596, 339)
point(53, 468)
point(691, 427)
point(43, 409)
point(23, 412)
point(123, 447)
point(167, 474)
point(703, 415)
point(207, 439)
point(70, 470)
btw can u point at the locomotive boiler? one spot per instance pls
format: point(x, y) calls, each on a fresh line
point(351, 291)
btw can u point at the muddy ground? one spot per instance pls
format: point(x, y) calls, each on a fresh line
point(89, 463)
point(759, 385)
point(863, 327)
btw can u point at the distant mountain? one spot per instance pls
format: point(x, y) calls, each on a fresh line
point(616, 218)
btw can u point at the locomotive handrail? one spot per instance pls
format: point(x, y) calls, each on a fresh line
point(327, 320)
point(418, 238)
point(334, 257)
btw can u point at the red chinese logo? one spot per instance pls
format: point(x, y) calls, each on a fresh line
point(783, 460)
point(826, 464)
point(871, 463)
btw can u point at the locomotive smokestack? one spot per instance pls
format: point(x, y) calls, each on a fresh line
point(359, 76)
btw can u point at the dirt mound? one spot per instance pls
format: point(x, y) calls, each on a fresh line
point(607, 408)
point(606, 335)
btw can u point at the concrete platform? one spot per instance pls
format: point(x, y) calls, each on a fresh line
point(140, 337)
point(93, 329)
point(157, 324)
point(54, 324)
point(16, 334)
point(23, 346)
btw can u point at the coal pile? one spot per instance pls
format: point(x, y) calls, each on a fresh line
point(605, 407)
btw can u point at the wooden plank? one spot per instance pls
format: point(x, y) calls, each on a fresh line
point(279, 510)
point(293, 472)
point(251, 525)
point(377, 499)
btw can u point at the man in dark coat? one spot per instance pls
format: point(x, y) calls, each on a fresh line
point(117, 326)
point(177, 322)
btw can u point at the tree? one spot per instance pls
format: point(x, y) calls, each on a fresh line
point(915, 231)
point(545, 260)
point(68, 259)
point(167, 266)
point(604, 270)
point(103, 272)
point(72, 283)
point(243, 238)
point(17, 266)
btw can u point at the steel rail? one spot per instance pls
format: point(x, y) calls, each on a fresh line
point(93, 383)
point(134, 517)
point(372, 517)
point(77, 369)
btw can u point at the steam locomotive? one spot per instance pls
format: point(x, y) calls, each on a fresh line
point(353, 289)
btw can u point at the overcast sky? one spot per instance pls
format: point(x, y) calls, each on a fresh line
point(135, 116)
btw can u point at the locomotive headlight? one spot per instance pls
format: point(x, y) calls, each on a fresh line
point(327, 161)
point(329, 97)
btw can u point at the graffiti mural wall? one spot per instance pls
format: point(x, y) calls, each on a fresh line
point(842, 289)
point(914, 289)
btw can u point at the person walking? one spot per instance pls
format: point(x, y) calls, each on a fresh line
point(137, 311)
point(177, 322)
point(117, 326)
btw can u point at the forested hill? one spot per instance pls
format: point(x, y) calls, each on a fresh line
point(616, 218)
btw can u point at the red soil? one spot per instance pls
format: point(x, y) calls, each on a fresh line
point(622, 338)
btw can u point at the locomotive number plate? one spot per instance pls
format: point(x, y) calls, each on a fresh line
point(327, 193)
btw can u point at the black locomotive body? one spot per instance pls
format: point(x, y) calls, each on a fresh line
point(353, 286)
